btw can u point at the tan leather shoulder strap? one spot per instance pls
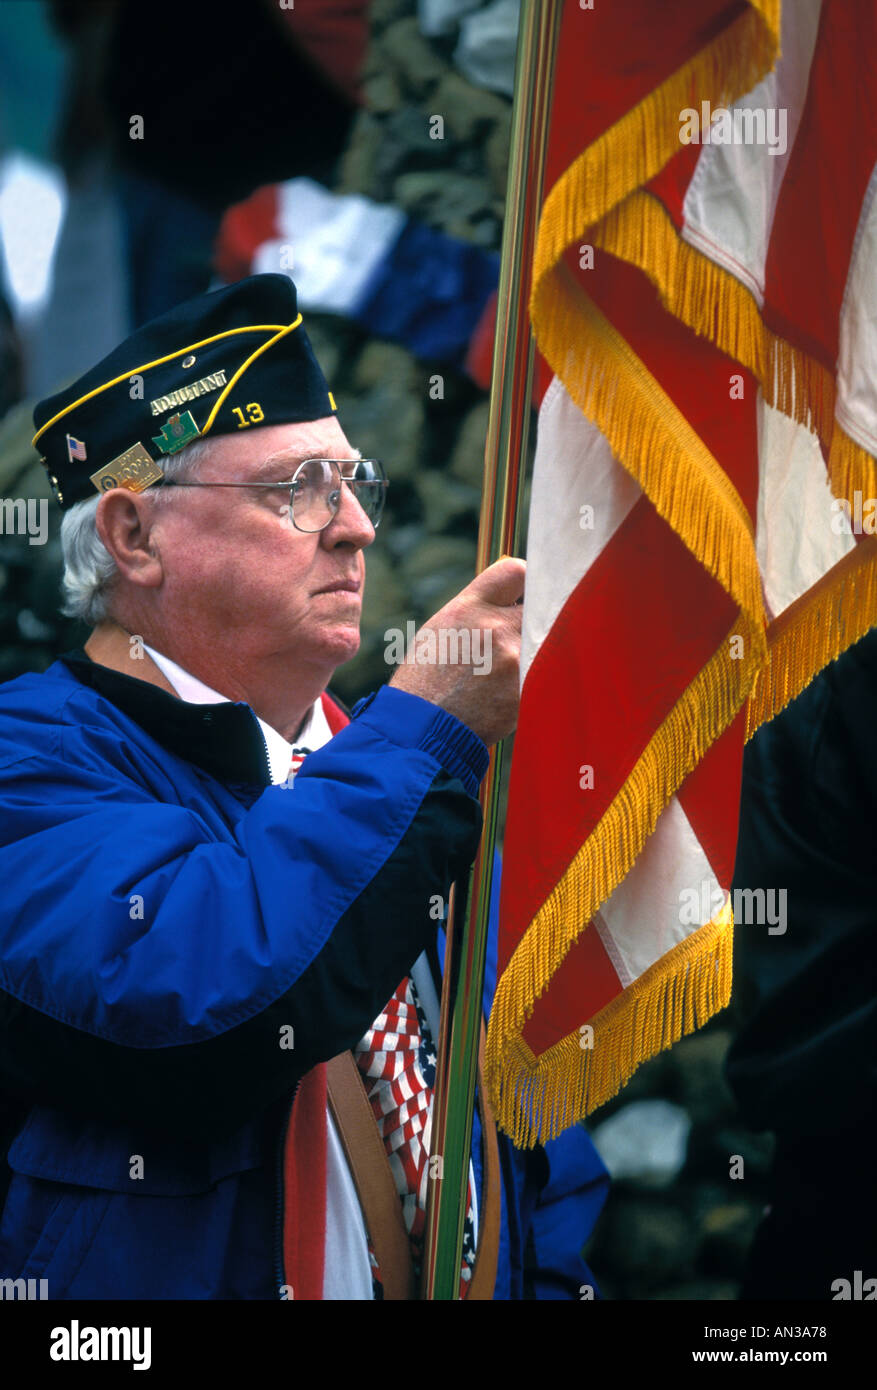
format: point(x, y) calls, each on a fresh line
point(483, 1280)
point(372, 1176)
point(376, 1189)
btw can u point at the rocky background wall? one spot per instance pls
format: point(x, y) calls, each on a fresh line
point(676, 1225)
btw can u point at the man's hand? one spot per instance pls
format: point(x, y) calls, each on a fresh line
point(482, 693)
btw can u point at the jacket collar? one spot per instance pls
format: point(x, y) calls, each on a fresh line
point(224, 740)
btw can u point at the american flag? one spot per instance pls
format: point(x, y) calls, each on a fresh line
point(704, 300)
point(75, 449)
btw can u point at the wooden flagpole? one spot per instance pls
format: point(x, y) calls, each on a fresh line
point(499, 534)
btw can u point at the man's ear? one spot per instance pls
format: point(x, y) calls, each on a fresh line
point(124, 523)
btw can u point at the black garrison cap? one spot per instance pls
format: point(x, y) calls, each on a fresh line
point(225, 362)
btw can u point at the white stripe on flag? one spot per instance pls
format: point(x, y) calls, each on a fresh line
point(856, 407)
point(731, 201)
point(643, 919)
point(573, 468)
point(795, 541)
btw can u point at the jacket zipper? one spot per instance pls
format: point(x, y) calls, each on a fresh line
point(267, 755)
point(279, 1271)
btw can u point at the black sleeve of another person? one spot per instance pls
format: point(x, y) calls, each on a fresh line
point(804, 1063)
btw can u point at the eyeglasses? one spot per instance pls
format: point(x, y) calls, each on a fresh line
point(315, 490)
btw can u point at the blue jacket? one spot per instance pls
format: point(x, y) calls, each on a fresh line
point(167, 914)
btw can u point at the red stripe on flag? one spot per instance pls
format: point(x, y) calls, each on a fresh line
point(697, 376)
point(585, 984)
point(632, 636)
point(671, 184)
point(825, 184)
point(710, 798)
point(612, 57)
point(587, 981)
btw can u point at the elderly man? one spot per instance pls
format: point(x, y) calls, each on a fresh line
point(216, 882)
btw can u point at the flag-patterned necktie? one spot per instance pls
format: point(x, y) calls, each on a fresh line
point(396, 1059)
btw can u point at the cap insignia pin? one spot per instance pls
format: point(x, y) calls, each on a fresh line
point(75, 449)
point(176, 433)
point(135, 470)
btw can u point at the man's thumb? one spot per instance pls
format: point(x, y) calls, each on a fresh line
point(501, 583)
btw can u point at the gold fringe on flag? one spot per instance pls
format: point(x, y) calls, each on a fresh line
point(702, 713)
point(536, 1098)
point(717, 306)
point(651, 437)
point(638, 145)
point(842, 606)
point(814, 630)
point(851, 468)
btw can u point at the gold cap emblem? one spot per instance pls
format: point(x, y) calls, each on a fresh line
point(135, 469)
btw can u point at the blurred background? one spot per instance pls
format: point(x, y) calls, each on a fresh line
point(149, 153)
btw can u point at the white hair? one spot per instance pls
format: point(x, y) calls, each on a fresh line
point(89, 570)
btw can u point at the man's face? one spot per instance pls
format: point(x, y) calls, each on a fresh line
point(240, 578)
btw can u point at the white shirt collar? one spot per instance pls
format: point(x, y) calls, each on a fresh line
point(314, 733)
